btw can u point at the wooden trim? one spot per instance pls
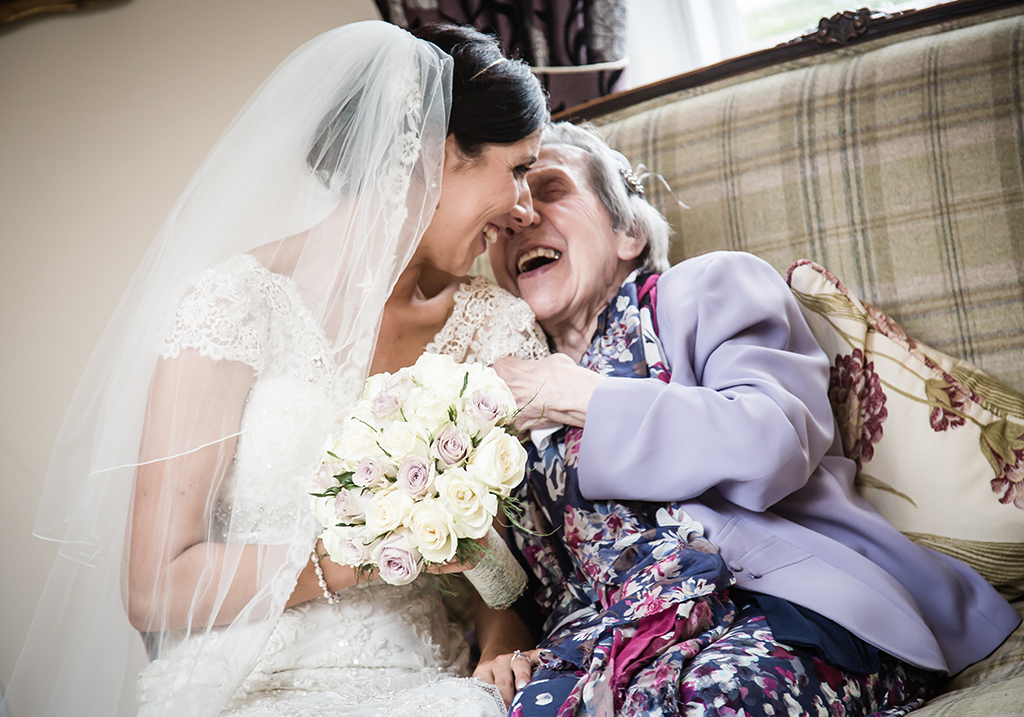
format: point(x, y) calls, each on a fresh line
point(840, 30)
point(14, 10)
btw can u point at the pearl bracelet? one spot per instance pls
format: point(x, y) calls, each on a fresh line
point(320, 578)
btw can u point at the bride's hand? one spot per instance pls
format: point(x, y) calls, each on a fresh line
point(510, 672)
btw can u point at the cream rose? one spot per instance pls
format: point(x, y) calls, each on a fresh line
point(400, 439)
point(468, 500)
point(439, 372)
point(323, 510)
point(356, 443)
point(501, 460)
point(427, 407)
point(433, 531)
point(387, 510)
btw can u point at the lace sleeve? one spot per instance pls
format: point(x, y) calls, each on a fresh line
point(487, 324)
point(222, 315)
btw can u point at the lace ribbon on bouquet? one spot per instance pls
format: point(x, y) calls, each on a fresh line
point(498, 577)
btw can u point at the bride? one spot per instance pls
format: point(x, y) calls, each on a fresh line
point(315, 245)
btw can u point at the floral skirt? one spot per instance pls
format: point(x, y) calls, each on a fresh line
point(745, 672)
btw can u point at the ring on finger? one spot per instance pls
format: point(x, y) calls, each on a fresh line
point(518, 653)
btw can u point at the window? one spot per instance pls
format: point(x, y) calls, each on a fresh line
point(668, 37)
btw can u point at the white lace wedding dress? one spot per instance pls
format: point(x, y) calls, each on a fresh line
point(381, 650)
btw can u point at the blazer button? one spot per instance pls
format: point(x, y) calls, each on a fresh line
point(736, 567)
point(753, 575)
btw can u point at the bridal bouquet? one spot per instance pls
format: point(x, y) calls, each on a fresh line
point(416, 473)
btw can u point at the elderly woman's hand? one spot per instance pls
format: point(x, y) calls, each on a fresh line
point(551, 391)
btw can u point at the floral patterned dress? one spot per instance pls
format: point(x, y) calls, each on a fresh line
point(637, 613)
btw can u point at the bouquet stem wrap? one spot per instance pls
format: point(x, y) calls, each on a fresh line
point(498, 577)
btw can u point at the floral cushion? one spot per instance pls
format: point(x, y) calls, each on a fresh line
point(939, 444)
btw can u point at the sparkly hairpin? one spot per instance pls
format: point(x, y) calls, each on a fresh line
point(633, 185)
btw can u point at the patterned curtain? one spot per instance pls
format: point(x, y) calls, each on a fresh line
point(577, 47)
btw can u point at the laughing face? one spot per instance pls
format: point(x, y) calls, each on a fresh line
point(478, 197)
point(568, 262)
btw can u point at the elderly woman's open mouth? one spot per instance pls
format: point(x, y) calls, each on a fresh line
point(535, 259)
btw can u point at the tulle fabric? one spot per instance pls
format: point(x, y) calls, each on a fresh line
point(328, 176)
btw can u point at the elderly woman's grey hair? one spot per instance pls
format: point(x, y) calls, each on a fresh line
point(611, 177)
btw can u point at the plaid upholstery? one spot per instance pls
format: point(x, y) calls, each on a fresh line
point(993, 687)
point(896, 164)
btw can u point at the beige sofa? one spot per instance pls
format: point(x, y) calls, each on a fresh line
point(895, 160)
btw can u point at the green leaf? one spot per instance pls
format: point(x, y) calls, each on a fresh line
point(867, 481)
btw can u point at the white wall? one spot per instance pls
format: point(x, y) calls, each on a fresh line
point(104, 115)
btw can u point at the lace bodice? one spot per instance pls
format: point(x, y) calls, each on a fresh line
point(381, 650)
point(489, 323)
point(241, 311)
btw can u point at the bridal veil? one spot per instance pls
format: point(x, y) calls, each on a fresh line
point(330, 173)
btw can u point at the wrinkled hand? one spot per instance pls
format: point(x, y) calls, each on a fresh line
point(509, 672)
point(551, 391)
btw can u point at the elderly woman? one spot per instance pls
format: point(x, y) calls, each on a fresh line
point(695, 414)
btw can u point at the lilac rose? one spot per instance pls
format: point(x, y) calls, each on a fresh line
point(370, 472)
point(415, 476)
point(384, 405)
point(452, 445)
point(485, 407)
point(398, 562)
point(351, 504)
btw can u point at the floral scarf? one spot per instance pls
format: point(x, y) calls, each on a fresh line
point(630, 591)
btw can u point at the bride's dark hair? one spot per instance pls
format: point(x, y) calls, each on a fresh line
point(494, 100)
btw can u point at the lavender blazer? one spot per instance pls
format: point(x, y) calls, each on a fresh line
point(744, 433)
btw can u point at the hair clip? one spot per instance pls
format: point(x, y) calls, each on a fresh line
point(633, 185)
point(496, 62)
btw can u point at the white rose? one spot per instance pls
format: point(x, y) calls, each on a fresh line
point(501, 460)
point(468, 500)
point(376, 384)
point(433, 531)
point(400, 439)
point(428, 407)
point(323, 510)
point(387, 511)
point(356, 443)
point(439, 372)
point(348, 545)
point(397, 559)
